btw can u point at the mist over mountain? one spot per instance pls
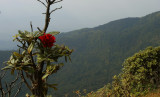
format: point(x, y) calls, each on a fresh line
point(100, 51)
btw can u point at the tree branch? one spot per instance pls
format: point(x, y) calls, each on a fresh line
point(47, 18)
point(19, 88)
point(24, 80)
point(52, 1)
point(1, 88)
point(39, 29)
point(47, 13)
point(55, 9)
point(34, 65)
point(46, 1)
point(11, 85)
point(42, 3)
point(31, 26)
point(58, 1)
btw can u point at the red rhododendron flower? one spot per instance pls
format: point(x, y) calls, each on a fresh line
point(47, 40)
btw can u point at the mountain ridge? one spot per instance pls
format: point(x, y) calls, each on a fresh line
point(102, 49)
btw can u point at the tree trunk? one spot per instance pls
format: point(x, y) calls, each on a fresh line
point(38, 87)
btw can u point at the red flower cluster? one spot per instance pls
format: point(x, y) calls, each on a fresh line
point(47, 40)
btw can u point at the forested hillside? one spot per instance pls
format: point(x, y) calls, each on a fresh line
point(140, 75)
point(100, 51)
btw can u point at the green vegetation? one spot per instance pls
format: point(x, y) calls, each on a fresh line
point(140, 74)
point(36, 60)
point(100, 51)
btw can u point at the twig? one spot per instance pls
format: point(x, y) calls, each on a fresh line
point(52, 1)
point(1, 88)
point(46, 1)
point(47, 18)
point(3, 74)
point(19, 88)
point(15, 78)
point(34, 65)
point(11, 85)
point(42, 3)
point(58, 1)
point(39, 29)
point(24, 80)
point(31, 26)
point(55, 9)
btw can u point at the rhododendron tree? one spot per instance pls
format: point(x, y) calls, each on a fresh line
point(38, 56)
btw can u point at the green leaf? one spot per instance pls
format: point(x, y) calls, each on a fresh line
point(39, 34)
point(21, 34)
point(23, 53)
point(69, 58)
point(35, 34)
point(44, 76)
point(52, 86)
point(30, 47)
point(12, 71)
point(16, 36)
point(28, 34)
point(7, 67)
point(66, 58)
point(53, 33)
point(17, 54)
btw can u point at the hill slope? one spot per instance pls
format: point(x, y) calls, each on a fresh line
point(100, 51)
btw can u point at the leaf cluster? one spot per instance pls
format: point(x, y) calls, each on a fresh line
point(32, 58)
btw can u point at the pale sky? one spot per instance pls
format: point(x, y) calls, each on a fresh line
point(76, 14)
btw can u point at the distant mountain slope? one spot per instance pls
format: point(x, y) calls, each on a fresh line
point(100, 51)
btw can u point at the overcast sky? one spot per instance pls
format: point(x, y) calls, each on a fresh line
point(75, 14)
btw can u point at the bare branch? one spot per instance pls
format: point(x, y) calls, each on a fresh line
point(24, 80)
point(31, 26)
point(10, 86)
point(30, 77)
point(15, 78)
point(48, 13)
point(1, 89)
point(2, 75)
point(34, 65)
point(7, 88)
point(55, 9)
point(58, 1)
point(47, 17)
point(19, 88)
point(52, 1)
point(43, 13)
point(39, 29)
point(42, 3)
